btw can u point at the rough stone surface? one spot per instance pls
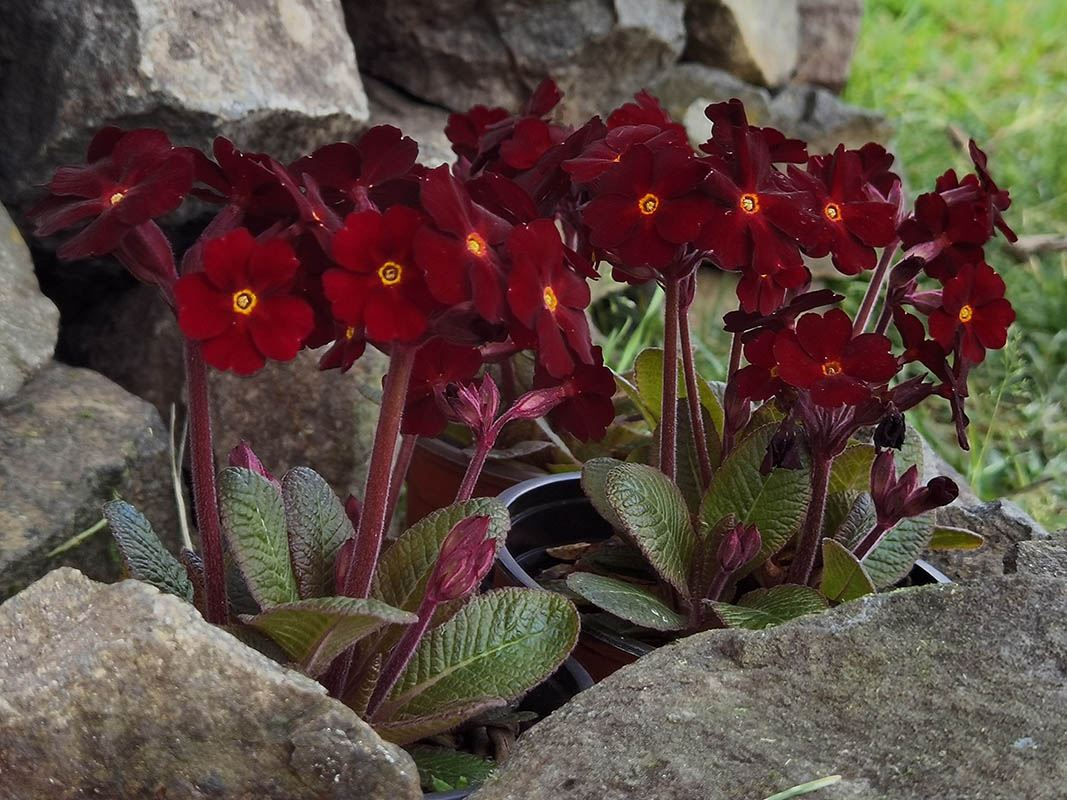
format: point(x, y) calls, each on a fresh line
point(692, 85)
point(829, 31)
point(120, 691)
point(1044, 558)
point(273, 75)
point(291, 413)
point(1001, 523)
point(946, 691)
point(68, 441)
point(758, 42)
point(460, 53)
point(29, 322)
point(823, 120)
point(422, 122)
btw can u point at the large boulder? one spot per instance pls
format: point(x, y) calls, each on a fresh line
point(939, 691)
point(120, 691)
point(829, 31)
point(758, 42)
point(277, 75)
point(29, 322)
point(69, 442)
point(824, 120)
point(463, 52)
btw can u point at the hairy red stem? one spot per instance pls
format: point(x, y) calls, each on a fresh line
point(696, 417)
point(874, 288)
point(811, 533)
point(668, 426)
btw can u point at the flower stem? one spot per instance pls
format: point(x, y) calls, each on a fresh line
point(696, 417)
point(400, 656)
point(205, 499)
point(874, 288)
point(400, 474)
point(668, 427)
point(804, 560)
point(870, 541)
point(379, 473)
point(474, 468)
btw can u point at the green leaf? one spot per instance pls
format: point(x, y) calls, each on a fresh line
point(410, 729)
point(314, 631)
point(143, 553)
point(253, 517)
point(946, 538)
point(500, 644)
point(626, 600)
point(895, 555)
point(843, 576)
point(776, 504)
point(849, 515)
point(403, 569)
point(648, 375)
point(594, 483)
point(318, 526)
point(766, 608)
point(444, 769)
point(851, 471)
point(634, 394)
point(688, 463)
point(654, 514)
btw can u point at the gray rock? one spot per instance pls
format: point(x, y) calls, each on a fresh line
point(461, 53)
point(291, 413)
point(934, 692)
point(120, 691)
point(422, 122)
point(823, 120)
point(29, 322)
point(758, 42)
point(278, 76)
point(1001, 523)
point(691, 85)
point(1047, 558)
point(829, 31)
point(69, 441)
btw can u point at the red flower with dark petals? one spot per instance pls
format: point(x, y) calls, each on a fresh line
point(245, 180)
point(729, 122)
point(823, 357)
point(458, 254)
point(946, 235)
point(241, 306)
point(548, 298)
point(588, 409)
point(604, 153)
point(759, 380)
point(876, 161)
point(974, 302)
point(998, 198)
point(647, 206)
point(646, 111)
point(465, 130)
point(765, 292)
point(381, 288)
point(437, 363)
point(544, 98)
point(853, 224)
point(528, 142)
point(349, 345)
point(130, 179)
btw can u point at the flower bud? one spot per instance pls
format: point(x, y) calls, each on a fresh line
point(242, 456)
point(343, 563)
point(353, 510)
point(537, 403)
point(890, 431)
point(465, 557)
point(739, 546)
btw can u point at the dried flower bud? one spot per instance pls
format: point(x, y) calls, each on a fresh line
point(783, 450)
point(738, 547)
point(242, 456)
point(890, 431)
point(465, 557)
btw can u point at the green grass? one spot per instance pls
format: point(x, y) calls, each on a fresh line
point(995, 70)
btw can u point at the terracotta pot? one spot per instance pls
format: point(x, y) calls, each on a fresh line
point(551, 511)
point(437, 470)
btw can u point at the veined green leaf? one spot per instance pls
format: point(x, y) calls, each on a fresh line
point(843, 576)
point(946, 538)
point(895, 555)
point(594, 484)
point(143, 553)
point(766, 608)
point(318, 526)
point(626, 600)
point(851, 471)
point(404, 729)
point(500, 644)
point(253, 517)
point(444, 769)
point(648, 375)
point(654, 514)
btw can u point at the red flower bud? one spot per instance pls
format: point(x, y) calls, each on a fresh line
point(465, 557)
point(738, 547)
point(895, 499)
point(242, 456)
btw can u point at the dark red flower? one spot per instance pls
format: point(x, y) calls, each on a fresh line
point(853, 224)
point(458, 255)
point(437, 364)
point(548, 298)
point(946, 235)
point(646, 110)
point(381, 288)
point(998, 198)
point(241, 306)
point(823, 357)
point(729, 124)
point(973, 302)
point(759, 380)
point(130, 179)
point(647, 206)
point(876, 162)
point(244, 180)
point(346, 349)
point(466, 130)
point(897, 499)
point(604, 153)
point(588, 409)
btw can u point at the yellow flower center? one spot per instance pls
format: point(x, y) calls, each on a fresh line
point(832, 212)
point(389, 272)
point(244, 301)
point(116, 197)
point(831, 368)
point(550, 299)
point(749, 203)
point(648, 204)
point(476, 245)
point(966, 313)
point(349, 333)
